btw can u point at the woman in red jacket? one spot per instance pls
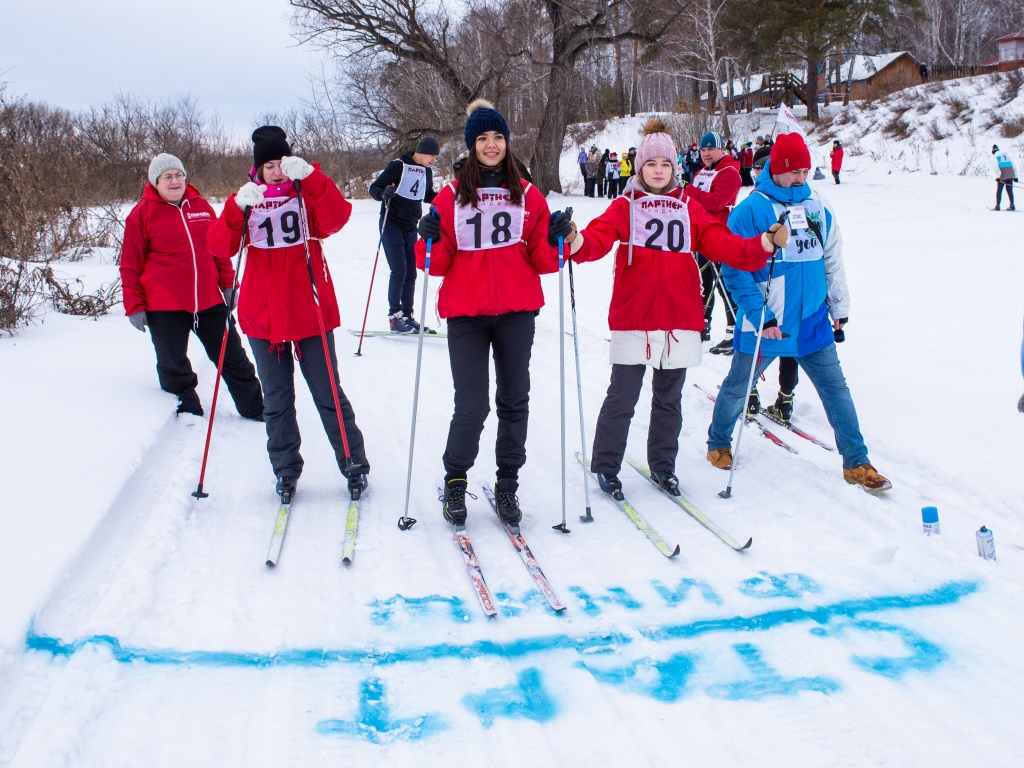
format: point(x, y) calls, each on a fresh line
point(278, 308)
point(490, 242)
point(172, 283)
point(656, 313)
point(837, 159)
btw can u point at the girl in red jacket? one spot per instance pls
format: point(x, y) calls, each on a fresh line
point(277, 307)
point(489, 240)
point(174, 284)
point(656, 313)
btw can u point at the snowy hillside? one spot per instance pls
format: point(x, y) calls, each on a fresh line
point(140, 627)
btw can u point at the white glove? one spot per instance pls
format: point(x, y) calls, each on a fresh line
point(295, 168)
point(249, 195)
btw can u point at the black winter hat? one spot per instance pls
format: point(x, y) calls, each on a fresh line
point(483, 117)
point(269, 143)
point(428, 146)
point(995, 148)
point(761, 157)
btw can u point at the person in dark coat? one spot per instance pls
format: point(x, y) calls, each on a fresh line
point(401, 188)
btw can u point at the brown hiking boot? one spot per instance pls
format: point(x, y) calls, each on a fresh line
point(867, 477)
point(721, 458)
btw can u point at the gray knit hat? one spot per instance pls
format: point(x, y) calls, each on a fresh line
point(163, 162)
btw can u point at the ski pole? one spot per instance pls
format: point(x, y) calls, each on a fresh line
point(198, 492)
point(561, 360)
point(587, 518)
point(373, 274)
point(727, 493)
point(405, 522)
point(349, 466)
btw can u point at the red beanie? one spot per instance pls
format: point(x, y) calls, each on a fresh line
point(789, 153)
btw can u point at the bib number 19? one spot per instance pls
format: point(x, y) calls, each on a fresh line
point(289, 226)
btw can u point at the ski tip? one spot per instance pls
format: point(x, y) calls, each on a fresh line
point(347, 560)
point(675, 551)
point(271, 563)
point(747, 545)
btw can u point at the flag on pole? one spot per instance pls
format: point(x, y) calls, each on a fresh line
point(786, 117)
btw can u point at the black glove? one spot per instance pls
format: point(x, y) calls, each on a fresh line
point(389, 192)
point(430, 227)
point(560, 225)
point(840, 335)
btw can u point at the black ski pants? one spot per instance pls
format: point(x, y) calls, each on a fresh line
point(710, 281)
point(471, 340)
point(590, 186)
point(789, 374)
point(617, 411)
point(1000, 183)
point(399, 248)
point(170, 329)
point(277, 372)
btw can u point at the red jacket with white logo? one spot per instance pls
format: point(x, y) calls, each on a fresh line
point(491, 281)
point(275, 301)
point(725, 186)
point(165, 264)
point(661, 289)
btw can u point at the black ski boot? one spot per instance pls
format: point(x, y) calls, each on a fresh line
point(506, 502)
point(611, 485)
point(357, 483)
point(286, 488)
point(783, 407)
point(454, 506)
point(724, 347)
point(753, 403)
point(667, 481)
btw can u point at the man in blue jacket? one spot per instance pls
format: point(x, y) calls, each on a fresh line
point(808, 286)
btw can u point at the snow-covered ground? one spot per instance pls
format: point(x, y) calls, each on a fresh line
point(140, 627)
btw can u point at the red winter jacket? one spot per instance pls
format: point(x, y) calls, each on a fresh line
point(725, 186)
point(661, 289)
point(837, 159)
point(491, 281)
point(747, 158)
point(275, 301)
point(165, 264)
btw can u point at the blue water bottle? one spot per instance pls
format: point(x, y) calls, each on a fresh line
point(930, 519)
point(986, 544)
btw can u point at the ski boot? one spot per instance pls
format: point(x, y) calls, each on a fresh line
point(286, 488)
point(399, 324)
point(782, 409)
point(724, 347)
point(753, 403)
point(416, 327)
point(611, 485)
point(357, 483)
point(506, 501)
point(705, 335)
point(667, 481)
point(454, 501)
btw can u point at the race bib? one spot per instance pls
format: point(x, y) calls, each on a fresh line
point(803, 241)
point(702, 180)
point(661, 223)
point(495, 221)
point(274, 223)
point(413, 185)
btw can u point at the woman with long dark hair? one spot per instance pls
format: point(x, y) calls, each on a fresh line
point(491, 241)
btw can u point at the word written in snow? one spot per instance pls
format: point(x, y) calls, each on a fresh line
point(375, 722)
point(398, 610)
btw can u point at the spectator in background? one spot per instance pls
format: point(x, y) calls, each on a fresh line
point(693, 162)
point(924, 73)
point(746, 163)
point(612, 180)
point(602, 174)
point(627, 169)
point(581, 160)
point(171, 282)
point(837, 159)
point(592, 166)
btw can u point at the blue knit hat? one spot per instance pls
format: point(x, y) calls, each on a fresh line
point(712, 140)
point(483, 117)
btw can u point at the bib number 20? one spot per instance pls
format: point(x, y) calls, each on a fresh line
point(671, 236)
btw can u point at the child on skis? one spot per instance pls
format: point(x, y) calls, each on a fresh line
point(281, 310)
point(656, 313)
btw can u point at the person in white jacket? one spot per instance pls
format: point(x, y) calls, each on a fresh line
point(1006, 174)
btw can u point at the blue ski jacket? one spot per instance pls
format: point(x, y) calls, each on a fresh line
point(808, 282)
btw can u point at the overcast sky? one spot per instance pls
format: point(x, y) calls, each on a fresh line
point(235, 56)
